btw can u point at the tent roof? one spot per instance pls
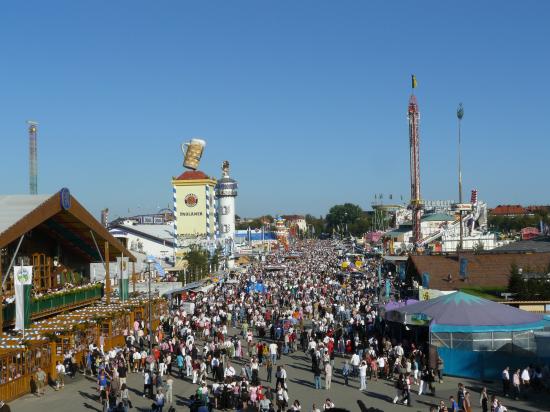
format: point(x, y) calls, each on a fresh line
point(63, 218)
point(463, 309)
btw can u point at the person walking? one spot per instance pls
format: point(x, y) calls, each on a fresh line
point(41, 379)
point(460, 395)
point(346, 370)
point(281, 398)
point(484, 400)
point(440, 367)
point(407, 390)
point(316, 375)
point(506, 381)
point(60, 370)
point(269, 368)
point(125, 396)
point(516, 382)
point(328, 375)
point(147, 384)
point(169, 389)
point(363, 376)
point(467, 404)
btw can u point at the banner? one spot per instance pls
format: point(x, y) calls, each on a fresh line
point(123, 267)
point(22, 276)
point(463, 268)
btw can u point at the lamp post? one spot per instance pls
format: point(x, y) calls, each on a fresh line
point(150, 260)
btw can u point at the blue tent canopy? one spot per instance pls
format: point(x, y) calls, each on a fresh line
point(462, 312)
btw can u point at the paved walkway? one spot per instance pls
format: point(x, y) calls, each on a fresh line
point(81, 395)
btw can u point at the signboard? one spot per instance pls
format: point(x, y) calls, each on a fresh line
point(418, 319)
point(427, 294)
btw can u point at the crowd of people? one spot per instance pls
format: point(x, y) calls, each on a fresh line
point(232, 342)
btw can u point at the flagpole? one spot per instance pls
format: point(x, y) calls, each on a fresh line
point(23, 302)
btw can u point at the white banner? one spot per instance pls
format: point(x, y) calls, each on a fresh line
point(22, 275)
point(19, 306)
point(125, 266)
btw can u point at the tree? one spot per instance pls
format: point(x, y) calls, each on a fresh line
point(532, 288)
point(215, 259)
point(360, 226)
point(341, 215)
point(316, 226)
point(197, 260)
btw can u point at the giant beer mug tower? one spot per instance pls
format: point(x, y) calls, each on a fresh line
point(226, 192)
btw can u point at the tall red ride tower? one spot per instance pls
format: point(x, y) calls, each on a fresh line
point(414, 142)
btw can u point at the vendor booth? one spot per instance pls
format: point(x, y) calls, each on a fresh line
point(19, 360)
point(475, 337)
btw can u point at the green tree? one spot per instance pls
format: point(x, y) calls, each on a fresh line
point(341, 215)
point(215, 259)
point(316, 226)
point(360, 226)
point(197, 260)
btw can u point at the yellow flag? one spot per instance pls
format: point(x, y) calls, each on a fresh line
point(413, 79)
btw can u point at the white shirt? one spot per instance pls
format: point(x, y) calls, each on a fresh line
point(525, 375)
point(363, 370)
point(272, 348)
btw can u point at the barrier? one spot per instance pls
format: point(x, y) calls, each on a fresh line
point(45, 305)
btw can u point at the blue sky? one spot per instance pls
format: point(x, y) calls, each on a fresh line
point(306, 99)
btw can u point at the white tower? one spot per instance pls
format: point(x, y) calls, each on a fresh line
point(226, 192)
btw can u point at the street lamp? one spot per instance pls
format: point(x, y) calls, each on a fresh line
point(150, 260)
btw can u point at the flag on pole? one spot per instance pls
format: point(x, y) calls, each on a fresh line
point(22, 276)
point(413, 81)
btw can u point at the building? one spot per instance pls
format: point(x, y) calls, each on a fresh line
point(155, 240)
point(510, 211)
point(440, 230)
point(194, 208)
point(60, 240)
point(57, 236)
point(490, 269)
point(226, 192)
point(297, 221)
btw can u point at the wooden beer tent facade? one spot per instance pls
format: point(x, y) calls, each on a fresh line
point(57, 236)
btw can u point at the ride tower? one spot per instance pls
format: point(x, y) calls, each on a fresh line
point(414, 144)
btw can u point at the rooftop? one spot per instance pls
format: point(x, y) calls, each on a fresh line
point(484, 269)
point(60, 217)
point(507, 210)
point(539, 244)
point(161, 232)
point(438, 217)
point(192, 175)
point(14, 207)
